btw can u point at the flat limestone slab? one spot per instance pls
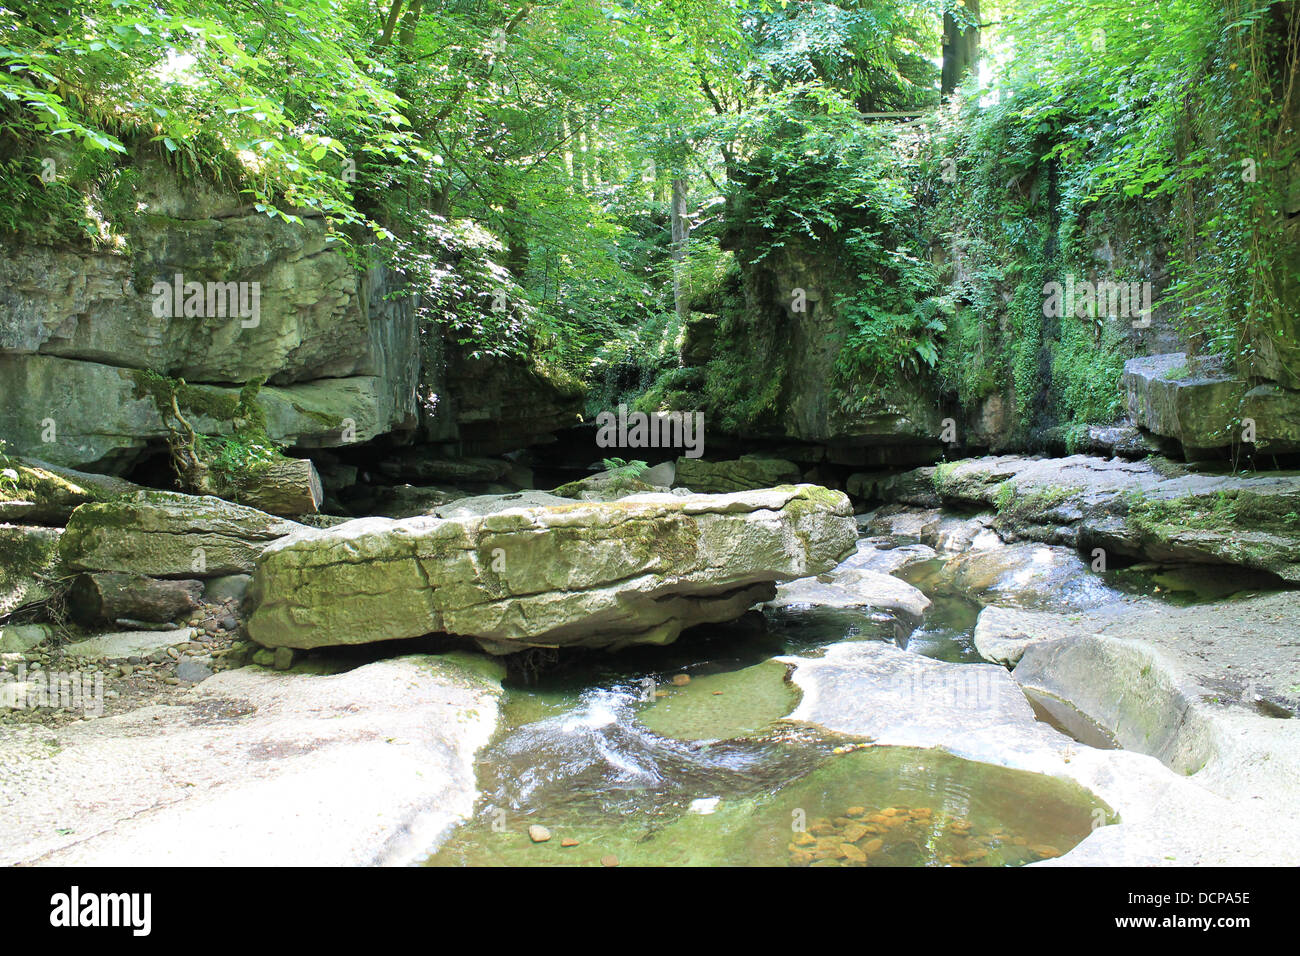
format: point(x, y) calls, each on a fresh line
point(123, 644)
point(855, 587)
point(255, 768)
point(607, 574)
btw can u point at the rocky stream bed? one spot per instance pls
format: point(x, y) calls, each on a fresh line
point(950, 678)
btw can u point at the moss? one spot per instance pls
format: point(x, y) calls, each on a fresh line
point(330, 422)
point(1031, 508)
point(941, 475)
point(190, 399)
point(613, 485)
point(469, 667)
point(1226, 512)
point(24, 552)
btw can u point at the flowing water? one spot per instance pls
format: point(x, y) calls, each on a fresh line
point(679, 755)
point(631, 763)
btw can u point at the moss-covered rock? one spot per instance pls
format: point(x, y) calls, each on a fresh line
point(1206, 411)
point(636, 570)
point(40, 493)
point(606, 486)
point(1155, 508)
point(167, 534)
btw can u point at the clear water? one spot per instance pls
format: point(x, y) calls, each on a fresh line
point(633, 768)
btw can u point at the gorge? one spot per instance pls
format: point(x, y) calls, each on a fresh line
point(869, 438)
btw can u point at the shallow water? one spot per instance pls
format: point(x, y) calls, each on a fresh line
point(640, 770)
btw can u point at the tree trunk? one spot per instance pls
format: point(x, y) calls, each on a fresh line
point(680, 235)
point(105, 597)
point(961, 45)
point(285, 488)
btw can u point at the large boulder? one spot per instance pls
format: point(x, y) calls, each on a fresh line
point(633, 571)
point(169, 535)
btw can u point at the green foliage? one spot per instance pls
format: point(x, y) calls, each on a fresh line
point(515, 164)
point(211, 463)
point(624, 469)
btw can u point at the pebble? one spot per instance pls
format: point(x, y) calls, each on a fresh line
point(681, 680)
point(538, 833)
point(568, 841)
point(193, 671)
point(610, 860)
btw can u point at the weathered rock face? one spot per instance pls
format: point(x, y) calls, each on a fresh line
point(779, 355)
point(1206, 411)
point(316, 317)
point(75, 324)
point(1157, 509)
point(488, 405)
point(743, 474)
point(169, 535)
point(638, 570)
point(76, 413)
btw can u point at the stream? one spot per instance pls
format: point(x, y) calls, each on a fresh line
point(678, 755)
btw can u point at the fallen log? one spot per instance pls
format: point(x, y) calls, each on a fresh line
point(96, 597)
